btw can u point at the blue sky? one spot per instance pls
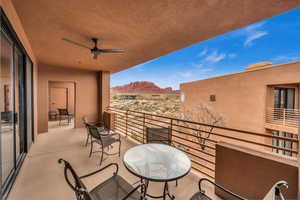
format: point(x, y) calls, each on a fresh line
point(276, 40)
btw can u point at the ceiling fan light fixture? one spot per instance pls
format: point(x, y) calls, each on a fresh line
point(95, 51)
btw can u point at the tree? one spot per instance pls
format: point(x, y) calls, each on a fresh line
point(203, 114)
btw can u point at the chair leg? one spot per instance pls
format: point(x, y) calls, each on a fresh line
point(119, 148)
point(87, 139)
point(176, 183)
point(91, 148)
point(101, 159)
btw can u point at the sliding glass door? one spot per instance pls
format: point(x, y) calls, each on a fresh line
point(19, 102)
point(16, 106)
point(7, 108)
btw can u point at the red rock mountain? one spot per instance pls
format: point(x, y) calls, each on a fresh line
point(143, 87)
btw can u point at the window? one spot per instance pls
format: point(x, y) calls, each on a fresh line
point(284, 98)
point(282, 143)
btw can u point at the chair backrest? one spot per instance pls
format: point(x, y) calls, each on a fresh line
point(158, 135)
point(63, 111)
point(74, 181)
point(7, 116)
point(93, 131)
point(85, 120)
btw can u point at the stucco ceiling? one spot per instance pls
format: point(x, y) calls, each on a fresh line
point(145, 29)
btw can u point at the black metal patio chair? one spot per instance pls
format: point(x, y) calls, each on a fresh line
point(105, 139)
point(64, 114)
point(99, 125)
point(159, 135)
point(114, 188)
point(202, 196)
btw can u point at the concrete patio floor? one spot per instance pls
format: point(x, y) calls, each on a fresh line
point(41, 177)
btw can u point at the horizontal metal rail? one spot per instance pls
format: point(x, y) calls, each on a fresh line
point(196, 139)
point(283, 116)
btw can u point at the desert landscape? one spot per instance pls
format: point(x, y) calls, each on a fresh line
point(146, 97)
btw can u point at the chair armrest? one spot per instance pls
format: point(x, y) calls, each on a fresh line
point(277, 189)
point(108, 134)
point(99, 170)
point(104, 132)
point(219, 187)
point(99, 123)
point(132, 191)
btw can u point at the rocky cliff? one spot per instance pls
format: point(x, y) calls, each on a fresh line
point(143, 87)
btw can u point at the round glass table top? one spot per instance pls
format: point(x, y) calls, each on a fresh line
point(157, 162)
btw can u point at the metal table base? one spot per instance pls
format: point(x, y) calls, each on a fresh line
point(165, 193)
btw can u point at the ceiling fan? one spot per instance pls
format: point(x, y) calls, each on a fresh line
point(95, 50)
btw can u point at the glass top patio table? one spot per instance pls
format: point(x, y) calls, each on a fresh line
point(157, 162)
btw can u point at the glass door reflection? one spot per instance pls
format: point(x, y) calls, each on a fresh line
point(7, 108)
point(19, 108)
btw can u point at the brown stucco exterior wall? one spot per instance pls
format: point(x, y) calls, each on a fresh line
point(14, 19)
point(252, 173)
point(241, 98)
point(86, 95)
point(70, 92)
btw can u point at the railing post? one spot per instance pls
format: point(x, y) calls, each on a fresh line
point(126, 123)
point(284, 116)
point(171, 129)
point(144, 128)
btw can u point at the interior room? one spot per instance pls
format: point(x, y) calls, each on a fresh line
point(61, 105)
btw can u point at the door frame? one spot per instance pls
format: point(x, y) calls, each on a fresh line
point(75, 98)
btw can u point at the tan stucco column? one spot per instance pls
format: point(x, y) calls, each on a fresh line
point(299, 164)
point(104, 92)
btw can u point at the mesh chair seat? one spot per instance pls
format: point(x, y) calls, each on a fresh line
point(104, 139)
point(115, 188)
point(107, 141)
point(200, 196)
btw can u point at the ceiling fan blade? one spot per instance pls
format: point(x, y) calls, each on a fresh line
point(111, 50)
point(75, 43)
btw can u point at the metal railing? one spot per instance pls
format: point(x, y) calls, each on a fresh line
point(196, 139)
point(283, 116)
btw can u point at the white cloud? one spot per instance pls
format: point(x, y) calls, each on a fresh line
point(215, 57)
point(251, 33)
point(204, 71)
point(197, 65)
point(186, 74)
point(253, 27)
point(281, 59)
point(203, 53)
point(254, 36)
point(232, 55)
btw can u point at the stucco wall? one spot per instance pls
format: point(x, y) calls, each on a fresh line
point(241, 98)
point(86, 97)
point(259, 172)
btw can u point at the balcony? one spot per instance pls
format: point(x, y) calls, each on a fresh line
point(45, 176)
point(283, 119)
point(146, 31)
point(46, 179)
